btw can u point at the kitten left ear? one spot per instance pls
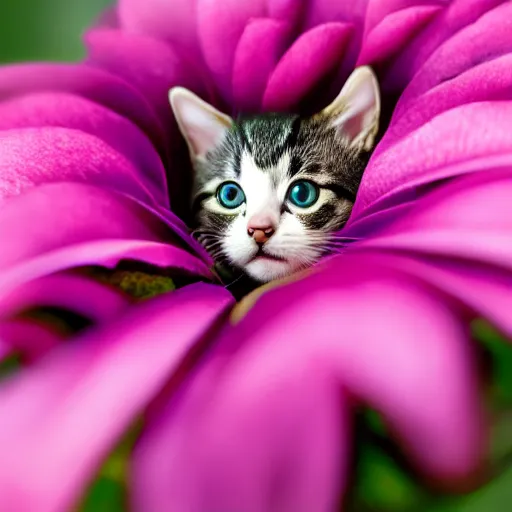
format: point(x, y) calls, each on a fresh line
point(356, 110)
point(202, 125)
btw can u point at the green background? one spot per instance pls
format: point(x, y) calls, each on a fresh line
point(51, 30)
point(45, 29)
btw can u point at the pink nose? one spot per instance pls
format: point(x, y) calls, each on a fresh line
point(260, 228)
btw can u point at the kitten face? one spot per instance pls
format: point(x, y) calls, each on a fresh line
point(270, 190)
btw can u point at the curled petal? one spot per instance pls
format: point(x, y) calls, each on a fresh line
point(84, 226)
point(313, 55)
point(223, 434)
point(490, 81)
point(457, 15)
point(455, 241)
point(486, 39)
point(460, 136)
point(35, 156)
point(380, 10)
point(27, 338)
point(290, 11)
point(94, 84)
point(90, 392)
point(148, 64)
point(79, 213)
point(106, 253)
point(393, 33)
point(75, 112)
point(220, 26)
point(278, 444)
point(170, 21)
point(319, 12)
point(259, 50)
point(90, 299)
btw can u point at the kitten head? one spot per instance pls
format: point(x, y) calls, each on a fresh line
point(270, 190)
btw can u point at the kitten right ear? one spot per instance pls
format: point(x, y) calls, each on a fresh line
point(202, 125)
point(355, 112)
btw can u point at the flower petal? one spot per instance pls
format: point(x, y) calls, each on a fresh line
point(225, 435)
point(393, 33)
point(47, 472)
point(313, 55)
point(325, 11)
point(170, 21)
point(278, 445)
point(457, 15)
point(84, 226)
point(461, 135)
point(290, 11)
point(260, 47)
point(452, 239)
point(494, 78)
point(94, 84)
point(148, 64)
point(486, 39)
point(378, 10)
point(75, 112)
point(84, 296)
point(220, 26)
point(29, 339)
point(35, 156)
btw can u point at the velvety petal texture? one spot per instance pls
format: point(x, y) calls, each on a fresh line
point(250, 407)
point(90, 392)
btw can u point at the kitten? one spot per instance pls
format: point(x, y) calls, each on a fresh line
point(270, 190)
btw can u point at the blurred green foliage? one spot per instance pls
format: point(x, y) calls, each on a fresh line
point(45, 29)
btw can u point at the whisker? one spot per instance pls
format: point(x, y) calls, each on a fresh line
point(234, 282)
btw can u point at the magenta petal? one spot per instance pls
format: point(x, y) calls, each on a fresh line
point(226, 435)
point(378, 10)
point(437, 241)
point(94, 84)
point(290, 11)
point(310, 58)
point(319, 12)
point(495, 77)
point(84, 226)
point(457, 15)
point(70, 111)
point(393, 33)
point(171, 21)
point(447, 223)
point(95, 301)
point(35, 156)
point(107, 253)
point(463, 134)
point(268, 441)
point(486, 39)
point(482, 288)
point(148, 64)
point(220, 26)
point(28, 339)
point(90, 392)
point(259, 49)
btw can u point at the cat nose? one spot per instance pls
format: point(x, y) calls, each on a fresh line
point(260, 229)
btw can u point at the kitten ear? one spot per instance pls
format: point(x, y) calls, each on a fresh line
point(356, 110)
point(202, 125)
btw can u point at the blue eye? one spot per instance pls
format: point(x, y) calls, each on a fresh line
point(303, 194)
point(230, 195)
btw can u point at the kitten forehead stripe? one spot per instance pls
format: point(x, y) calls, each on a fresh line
point(269, 136)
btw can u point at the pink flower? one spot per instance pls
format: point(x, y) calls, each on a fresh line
point(250, 407)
